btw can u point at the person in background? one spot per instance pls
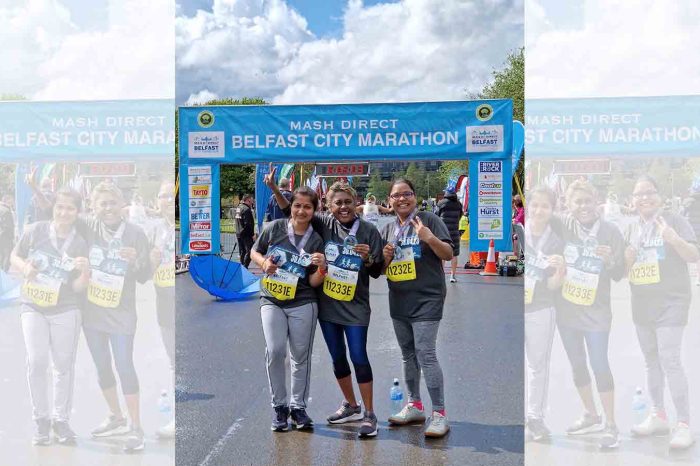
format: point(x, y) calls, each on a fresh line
point(518, 210)
point(7, 233)
point(449, 209)
point(273, 211)
point(42, 199)
point(370, 210)
point(660, 244)
point(52, 257)
point(245, 229)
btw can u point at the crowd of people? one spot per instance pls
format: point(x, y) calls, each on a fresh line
point(574, 253)
point(79, 260)
point(317, 267)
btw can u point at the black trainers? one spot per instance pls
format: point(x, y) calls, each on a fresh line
point(369, 426)
point(346, 413)
point(62, 432)
point(301, 420)
point(279, 419)
point(42, 432)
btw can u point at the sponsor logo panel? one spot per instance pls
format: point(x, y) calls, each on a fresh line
point(486, 138)
point(199, 170)
point(206, 144)
point(200, 191)
point(199, 226)
point(200, 245)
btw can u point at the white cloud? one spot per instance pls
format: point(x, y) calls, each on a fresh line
point(201, 97)
point(132, 58)
point(623, 48)
point(406, 51)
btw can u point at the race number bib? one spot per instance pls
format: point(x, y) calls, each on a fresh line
point(530, 283)
point(580, 287)
point(645, 270)
point(281, 285)
point(403, 267)
point(164, 276)
point(105, 290)
point(42, 291)
point(340, 284)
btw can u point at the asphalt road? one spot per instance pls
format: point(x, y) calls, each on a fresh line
point(627, 365)
point(89, 407)
point(223, 410)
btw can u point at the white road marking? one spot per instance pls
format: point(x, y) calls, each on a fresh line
point(222, 441)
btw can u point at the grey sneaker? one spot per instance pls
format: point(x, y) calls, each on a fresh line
point(134, 440)
point(167, 431)
point(537, 429)
point(113, 425)
point(346, 413)
point(407, 415)
point(438, 426)
point(587, 424)
point(610, 438)
point(369, 426)
point(42, 432)
point(62, 432)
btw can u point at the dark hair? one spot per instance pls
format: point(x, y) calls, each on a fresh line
point(399, 181)
point(649, 180)
point(71, 194)
point(342, 187)
point(546, 192)
point(518, 201)
point(246, 197)
point(308, 192)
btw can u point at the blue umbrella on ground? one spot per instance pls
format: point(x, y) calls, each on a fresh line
point(9, 289)
point(224, 279)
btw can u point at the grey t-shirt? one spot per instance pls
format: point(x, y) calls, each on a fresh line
point(356, 311)
point(424, 297)
point(596, 317)
point(274, 238)
point(666, 303)
point(36, 244)
point(103, 254)
point(161, 235)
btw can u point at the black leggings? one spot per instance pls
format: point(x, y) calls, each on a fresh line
point(335, 335)
point(122, 349)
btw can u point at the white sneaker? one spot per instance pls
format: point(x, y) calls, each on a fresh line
point(407, 415)
point(438, 426)
point(453, 278)
point(167, 431)
point(682, 437)
point(652, 425)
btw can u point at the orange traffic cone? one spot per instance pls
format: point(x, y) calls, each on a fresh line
point(490, 268)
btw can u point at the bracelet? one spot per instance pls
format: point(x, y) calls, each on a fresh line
point(323, 272)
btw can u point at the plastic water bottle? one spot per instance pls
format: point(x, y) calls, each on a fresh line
point(164, 406)
point(639, 406)
point(396, 396)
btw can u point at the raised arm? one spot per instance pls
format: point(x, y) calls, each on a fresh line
point(270, 182)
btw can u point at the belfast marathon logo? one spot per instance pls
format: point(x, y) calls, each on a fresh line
point(484, 112)
point(488, 138)
point(206, 144)
point(205, 119)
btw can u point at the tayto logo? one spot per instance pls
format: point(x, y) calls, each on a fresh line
point(199, 226)
point(490, 185)
point(490, 211)
point(205, 119)
point(491, 166)
point(200, 190)
point(200, 245)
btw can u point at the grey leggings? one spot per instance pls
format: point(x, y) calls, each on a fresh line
point(662, 354)
point(417, 341)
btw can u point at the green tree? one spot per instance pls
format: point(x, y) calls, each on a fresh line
point(509, 83)
point(378, 187)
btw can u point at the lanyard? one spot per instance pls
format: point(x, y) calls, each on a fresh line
point(645, 230)
point(112, 238)
point(53, 237)
point(586, 235)
point(290, 234)
point(400, 230)
point(541, 242)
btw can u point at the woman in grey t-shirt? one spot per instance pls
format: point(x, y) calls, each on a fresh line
point(52, 257)
point(417, 243)
point(660, 245)
point(289, 251)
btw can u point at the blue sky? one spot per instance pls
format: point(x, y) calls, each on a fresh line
point(324, 16)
